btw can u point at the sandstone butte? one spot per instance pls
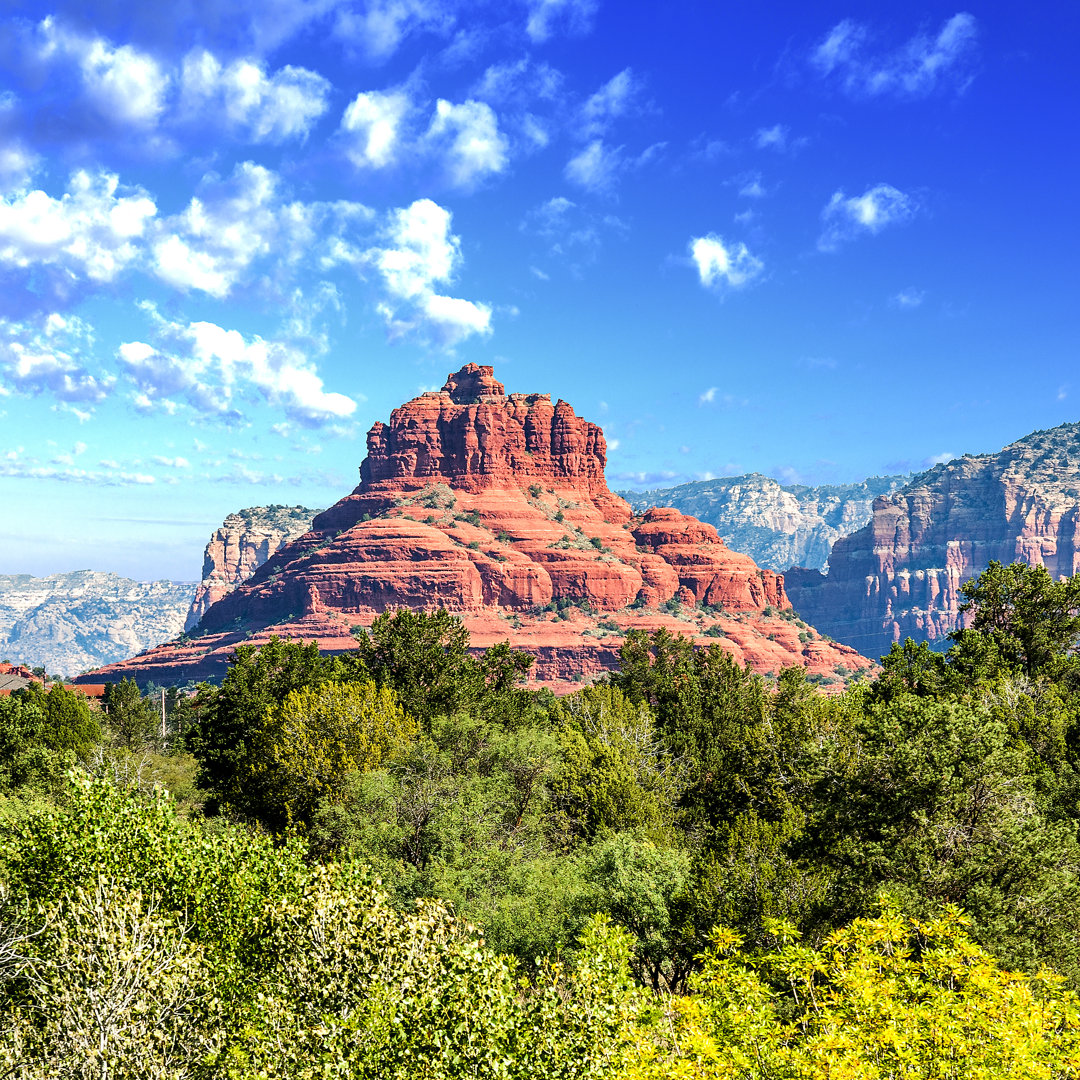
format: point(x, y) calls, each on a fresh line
point(496, 507)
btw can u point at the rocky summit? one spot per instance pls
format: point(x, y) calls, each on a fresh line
point(901, 575)
point(495, 506)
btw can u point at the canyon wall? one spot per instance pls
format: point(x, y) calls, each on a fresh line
point(900, 575)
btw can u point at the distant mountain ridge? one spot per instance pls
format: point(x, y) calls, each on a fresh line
point(777, 525)
point(85, 618)
point(901, 574)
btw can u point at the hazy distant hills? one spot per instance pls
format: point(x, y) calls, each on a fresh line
point(86, 618)
point(777, 525)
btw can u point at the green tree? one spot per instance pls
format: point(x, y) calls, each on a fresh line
point(425, 657)
point(1021, 620)
point(614, 772)
point(316, 737)
point(132, 721)
point(69, 722)
point(226, 738)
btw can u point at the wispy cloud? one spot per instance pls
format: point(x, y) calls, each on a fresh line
point(846, 218)
point(924, 64)
point(908, 298)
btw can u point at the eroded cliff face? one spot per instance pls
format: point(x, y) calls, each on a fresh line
point(495, 507)
point(244, 541)
point(901, 574)
point(777, 525)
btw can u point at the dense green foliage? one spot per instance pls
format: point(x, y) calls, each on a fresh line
point(402, 862)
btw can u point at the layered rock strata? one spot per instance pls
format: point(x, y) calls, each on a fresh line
point(777, 525)
point(243, 542)
point(495, 506)
point(901, 575)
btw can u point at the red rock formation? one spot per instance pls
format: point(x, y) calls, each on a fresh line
point(900, 576)
point(240, 546)
point(495, 507)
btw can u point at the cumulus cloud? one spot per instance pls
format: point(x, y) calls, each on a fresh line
point(940, 459)
point(265, 108)
point(924, 64)
point(110, 474)
point(96, 85)
point(421, 254)
point(17, 164)
point(723, 265)
point(213, 243)
point(214, 370)
point(596, 167)
point(49, 356)
point(125, 85)
point(549, 17)
point(846, 218)
point(469, 141)
point(372, 126)
point(90, 231)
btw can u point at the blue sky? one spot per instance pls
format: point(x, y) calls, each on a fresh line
point(817, 241)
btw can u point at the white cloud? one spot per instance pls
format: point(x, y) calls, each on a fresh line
point(266, 108)
point(919, 67)
point(548, 17)
point(17, 165)
point(908, 298)
point(469, 140)
point(613, 100)
point(595, 167)
point(89, 231)
point(380, 26)
point(877, 208)
point(721, 264)
point(774, 138)
point(214, 369)
point(422, 254)
point(48, 356)
point(518, 82)
point(373, 127)
point(940, 459)
point(753, 189)
point(126, 86)
point(231, 223)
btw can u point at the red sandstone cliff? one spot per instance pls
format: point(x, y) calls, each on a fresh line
point(240, 546)
point(495, 507)
point(901, 575)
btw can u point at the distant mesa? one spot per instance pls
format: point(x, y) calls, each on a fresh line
point(495, 506)
point(901, 574)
